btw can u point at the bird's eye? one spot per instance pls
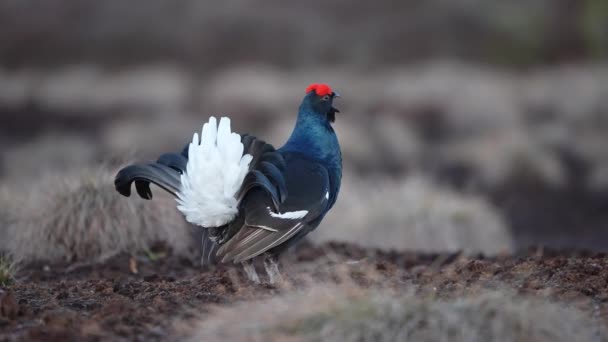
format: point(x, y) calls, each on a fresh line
point(326, 98)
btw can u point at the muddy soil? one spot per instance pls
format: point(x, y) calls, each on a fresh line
point(143, 298)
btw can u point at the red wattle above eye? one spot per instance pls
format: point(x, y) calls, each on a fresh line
point(319, 89)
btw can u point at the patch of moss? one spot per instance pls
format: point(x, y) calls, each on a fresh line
point(7, 271)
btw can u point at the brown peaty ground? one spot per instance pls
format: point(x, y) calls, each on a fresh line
point(111, 301)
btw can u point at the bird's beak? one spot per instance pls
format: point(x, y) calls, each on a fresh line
point(333, 110)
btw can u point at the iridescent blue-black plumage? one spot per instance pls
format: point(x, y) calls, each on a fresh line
point(314, 137)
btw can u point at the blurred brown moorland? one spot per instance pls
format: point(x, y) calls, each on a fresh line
point(474, 141)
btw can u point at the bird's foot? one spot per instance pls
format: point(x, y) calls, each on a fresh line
point(272, 269)
point(250, 270)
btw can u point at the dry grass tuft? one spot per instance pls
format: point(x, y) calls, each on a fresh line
point(82, 218)
point(414, 214)
point(351, 314)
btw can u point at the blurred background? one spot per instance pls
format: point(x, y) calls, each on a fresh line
point(477, 125)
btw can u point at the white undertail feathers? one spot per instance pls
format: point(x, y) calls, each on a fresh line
point(215, 171)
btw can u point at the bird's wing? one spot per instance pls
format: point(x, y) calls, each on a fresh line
point(266, 171)
point(264, 227)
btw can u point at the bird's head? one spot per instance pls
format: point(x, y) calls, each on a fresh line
point(320, 98)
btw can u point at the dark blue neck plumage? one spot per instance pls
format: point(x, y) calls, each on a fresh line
point(314, 137)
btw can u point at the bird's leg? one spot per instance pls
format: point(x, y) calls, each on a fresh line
point(272, 269)
point(250, 270)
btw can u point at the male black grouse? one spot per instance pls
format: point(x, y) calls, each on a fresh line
point(250, 198)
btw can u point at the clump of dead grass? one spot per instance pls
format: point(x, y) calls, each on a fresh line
point(352, 314)
point(414, 214)
point(82, 218)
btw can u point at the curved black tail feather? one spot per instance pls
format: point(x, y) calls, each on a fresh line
point(142, 175)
